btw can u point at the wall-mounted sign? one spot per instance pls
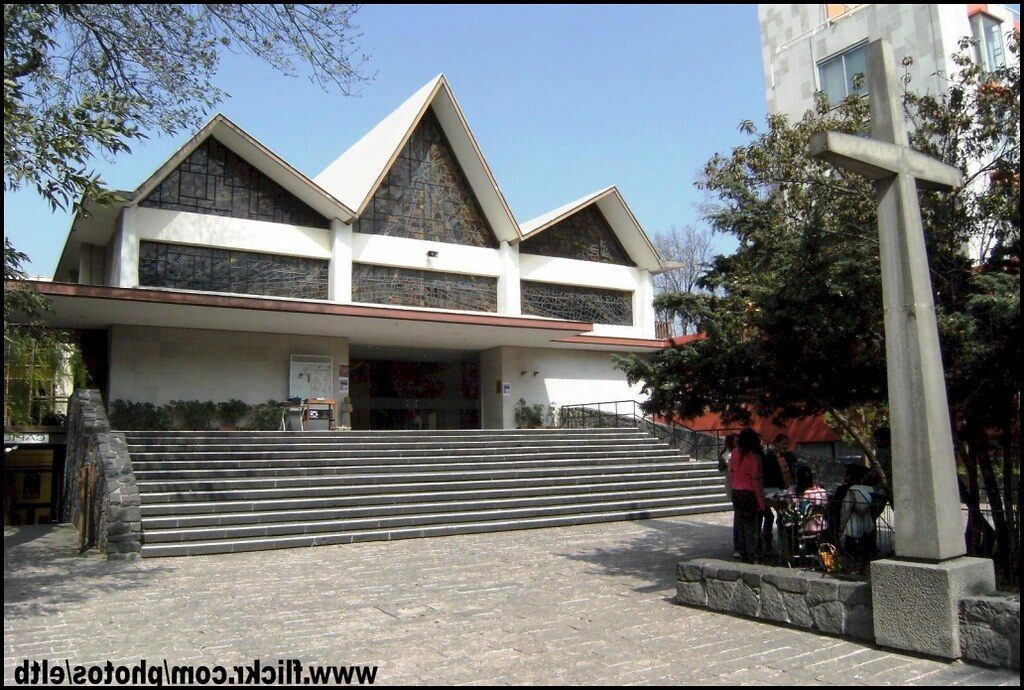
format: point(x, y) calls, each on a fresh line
point(506, 390)
point(26, 439)
point(342, 380)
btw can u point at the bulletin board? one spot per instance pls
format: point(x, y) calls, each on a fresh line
point(311, 376)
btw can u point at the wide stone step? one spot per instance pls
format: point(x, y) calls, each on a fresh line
point(143, 437)
point(374, 497)
point(216, 464)
point(349, 537)
point(215, 492)
point(448, 505)
point(305, 468)
point(377, 445)
point(385, 454)
point(426, 473)
point(376, 484)
point(455, 514)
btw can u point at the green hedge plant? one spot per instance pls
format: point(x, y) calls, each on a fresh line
point(231, 411)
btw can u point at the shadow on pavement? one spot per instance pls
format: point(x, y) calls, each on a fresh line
point(43, 571)
point(650, 559)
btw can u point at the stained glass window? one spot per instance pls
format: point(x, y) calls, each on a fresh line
point(426, 196)
point(413, 288)
point(584, 235)
point(574, 303)
point(186, 267)
point(215, 180)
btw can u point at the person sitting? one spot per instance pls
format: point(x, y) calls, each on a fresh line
point(856, 518)
point(803, 520)
point(778, 477)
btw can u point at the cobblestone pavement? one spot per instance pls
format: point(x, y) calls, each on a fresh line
point(586, 604)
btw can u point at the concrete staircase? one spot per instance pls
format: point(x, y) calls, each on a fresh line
point(222, 492)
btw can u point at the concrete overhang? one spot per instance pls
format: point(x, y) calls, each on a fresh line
point(99, 307)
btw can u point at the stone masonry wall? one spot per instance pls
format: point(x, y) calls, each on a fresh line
point(990, 630)
point(115, 505)
point(86, 416)
point(808, 600)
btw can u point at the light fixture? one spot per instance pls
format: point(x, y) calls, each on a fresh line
point(432, 253)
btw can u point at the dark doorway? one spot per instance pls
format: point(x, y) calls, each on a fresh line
point(429, 392)
point(33, 476)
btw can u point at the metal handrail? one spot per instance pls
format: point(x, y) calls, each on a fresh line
point(702, 445)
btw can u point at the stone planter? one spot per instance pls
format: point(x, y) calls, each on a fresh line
point(802, 599)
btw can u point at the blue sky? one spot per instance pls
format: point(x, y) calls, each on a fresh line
point(563, 100)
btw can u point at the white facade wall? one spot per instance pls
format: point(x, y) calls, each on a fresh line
point(159, 365)
point(343, 247)
point(547, 376)
point(207, 230)
point(403, 252)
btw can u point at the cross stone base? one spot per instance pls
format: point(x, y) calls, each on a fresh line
point(916, 604)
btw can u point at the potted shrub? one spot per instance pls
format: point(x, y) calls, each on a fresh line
point(266, 416)
point(126, 415)
point(229, 412)
point(529, 416)
point(195, 415)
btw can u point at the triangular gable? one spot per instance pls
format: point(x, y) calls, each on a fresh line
point(358, 173)
point(606, 205)
point(426, 196)
point(215, 180)
point(97, 225)
point(263, 162)
point(584, 234)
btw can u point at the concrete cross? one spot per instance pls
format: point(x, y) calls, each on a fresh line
point(927, 501)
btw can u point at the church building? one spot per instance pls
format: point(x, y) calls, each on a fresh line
point(398, 277)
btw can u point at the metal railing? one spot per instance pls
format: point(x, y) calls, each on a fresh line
point(802, 533)
point(624, 414)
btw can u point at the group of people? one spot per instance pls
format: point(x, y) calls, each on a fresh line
point(770, 488)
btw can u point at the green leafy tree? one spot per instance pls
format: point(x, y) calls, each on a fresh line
point(792, 321)
point(770, 311)
point(82, 80)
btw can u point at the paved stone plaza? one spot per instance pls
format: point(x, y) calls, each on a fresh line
point(586, 604)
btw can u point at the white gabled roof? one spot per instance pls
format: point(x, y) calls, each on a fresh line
point(355, 176)
point(621, 219)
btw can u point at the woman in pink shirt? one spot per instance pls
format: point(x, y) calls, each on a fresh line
point(747, 491)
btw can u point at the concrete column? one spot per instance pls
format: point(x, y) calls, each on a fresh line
point(339, 287)
point(508, 282)
point(498, 367)
point(125, 250)
point(339, 358)
point(643, 304)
